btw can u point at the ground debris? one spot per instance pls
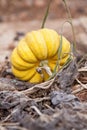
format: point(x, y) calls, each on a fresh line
point(58, 103)
point(61, 98)
point(67, 75)
point(49, 105)
point(9, 99)
point(62, 119)
point(13, 84)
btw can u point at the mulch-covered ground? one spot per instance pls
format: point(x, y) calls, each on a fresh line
point(57, 104)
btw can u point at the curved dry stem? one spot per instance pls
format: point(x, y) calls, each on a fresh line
point(70, 21)
point(45, 85)
point(46, 14)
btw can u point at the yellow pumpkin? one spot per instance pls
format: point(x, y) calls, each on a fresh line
point(35, 52)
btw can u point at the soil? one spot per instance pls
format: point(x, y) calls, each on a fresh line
point(61, 102)
point(15, 10)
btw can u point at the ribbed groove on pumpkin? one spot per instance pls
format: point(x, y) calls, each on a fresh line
point(49, 37)
point(25, 75)
point(18, 62)
point(27, 55)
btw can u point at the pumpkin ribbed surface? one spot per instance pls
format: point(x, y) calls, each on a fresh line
point(37, 49)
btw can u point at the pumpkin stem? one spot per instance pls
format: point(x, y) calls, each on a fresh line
point(45, 68)
point(44, 72)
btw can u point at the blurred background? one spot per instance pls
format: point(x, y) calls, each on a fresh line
point(17, 17)
point(14, 10)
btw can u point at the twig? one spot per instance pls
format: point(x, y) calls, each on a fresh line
point(37, 110)
point(83, 85)
point(6, 118)
point(82, 59)
point(49, 107)
point(43, 117)
point(83, 69)
point(11, 124)
point(78, 90)
point(41, 99)
point(17, 128)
